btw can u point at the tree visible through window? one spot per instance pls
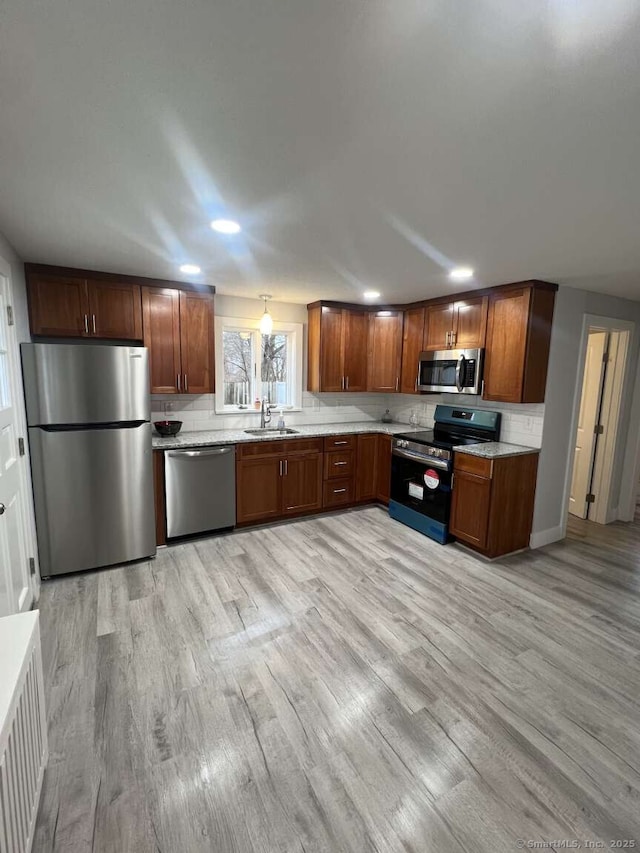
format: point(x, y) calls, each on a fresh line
point(256, 366)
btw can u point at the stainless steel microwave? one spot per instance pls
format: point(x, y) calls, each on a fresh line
point(451, 371)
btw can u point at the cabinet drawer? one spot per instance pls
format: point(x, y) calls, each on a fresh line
point(473, 464)
point(278, 447)
point(338, 493)
point(339, 463)
point(340, 442)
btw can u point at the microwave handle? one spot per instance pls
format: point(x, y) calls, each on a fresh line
point(459, 366)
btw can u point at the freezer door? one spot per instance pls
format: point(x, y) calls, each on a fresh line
point(93, 493)
point(85, 384)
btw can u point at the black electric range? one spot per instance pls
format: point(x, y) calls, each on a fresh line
point(422, 463)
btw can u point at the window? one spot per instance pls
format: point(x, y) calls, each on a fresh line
point(253, 366)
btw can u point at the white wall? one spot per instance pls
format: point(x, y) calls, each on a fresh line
point(557, 437)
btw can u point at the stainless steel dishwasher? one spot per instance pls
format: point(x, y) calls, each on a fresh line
point(201, 489)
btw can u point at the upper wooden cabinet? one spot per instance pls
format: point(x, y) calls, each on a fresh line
point(76, 307)
point(385, 351)
point(461, 324)
point(412, 337)
point(337, 349)
point(178, 331)
point(518, 339)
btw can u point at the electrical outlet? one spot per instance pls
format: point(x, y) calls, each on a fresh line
point(527, 425)
point(168, 407)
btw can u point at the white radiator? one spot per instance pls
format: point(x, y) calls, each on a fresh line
point(23, 730)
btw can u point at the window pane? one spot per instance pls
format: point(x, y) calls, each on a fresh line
point(273, 371)
point(238, 360)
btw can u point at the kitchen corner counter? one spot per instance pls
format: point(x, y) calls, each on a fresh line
point(495, 449)
point(238, 436)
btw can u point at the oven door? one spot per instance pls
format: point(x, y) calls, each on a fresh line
point(421, 486)
point(451, 371)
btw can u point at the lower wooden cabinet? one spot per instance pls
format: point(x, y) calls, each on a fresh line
point(278, 479)
point(492, 504)
point(383, 465)
point(367, 468)
point(159, 497)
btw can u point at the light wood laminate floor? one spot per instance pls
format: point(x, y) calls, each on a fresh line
point(345, 684)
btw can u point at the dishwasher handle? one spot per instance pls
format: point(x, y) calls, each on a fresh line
point(194, 454)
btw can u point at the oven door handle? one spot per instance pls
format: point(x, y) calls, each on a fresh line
point(433, 463)
point(459, 366)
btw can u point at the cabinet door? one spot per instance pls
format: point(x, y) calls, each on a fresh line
point(331, 349)
point(439, 323)
point(196, 342)
point(385, 351)
point(412, 338)
point(470, 508)
point(258, 489)
point(367, 468)
point(58, 306)
point(470, 322)
point(302, 483)
point(506, 345)
point(161, 335)
point(355, 325)
point(384, 468)
point(115, 310)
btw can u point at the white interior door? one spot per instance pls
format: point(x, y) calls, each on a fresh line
point(15, 586)
point(585, 436)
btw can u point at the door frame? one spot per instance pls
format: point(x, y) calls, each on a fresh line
point(604, 514)
point(30, 539)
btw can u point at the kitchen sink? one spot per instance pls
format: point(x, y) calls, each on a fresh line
point(272, 431)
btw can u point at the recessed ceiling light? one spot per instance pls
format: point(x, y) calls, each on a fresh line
point(371, 294)
point(190, 269)
point(461, 273)
point(225, 226)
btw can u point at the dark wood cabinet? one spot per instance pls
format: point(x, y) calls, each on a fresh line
point(383, 466)
point(178, 331)
point(461, 324)
point(277, 479)
point(159, 497)
point(412, 340)
point(367, 468)
point(518, 340)
point(76, 307)
point(492, 502)
point(337, 349)
point(385, 351)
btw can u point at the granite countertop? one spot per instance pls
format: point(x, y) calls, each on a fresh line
point(238, 436)
point(495, 449)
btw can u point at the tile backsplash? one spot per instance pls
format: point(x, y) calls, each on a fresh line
point(521, 424)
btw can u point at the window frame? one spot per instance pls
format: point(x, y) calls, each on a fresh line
point(294, 331)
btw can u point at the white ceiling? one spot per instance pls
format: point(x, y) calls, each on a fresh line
point(361, 143)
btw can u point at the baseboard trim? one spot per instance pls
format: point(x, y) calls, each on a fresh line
point(546, 537)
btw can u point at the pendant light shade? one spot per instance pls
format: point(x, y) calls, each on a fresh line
point(266, 321)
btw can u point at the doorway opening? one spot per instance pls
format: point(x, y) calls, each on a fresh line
point(596, 435)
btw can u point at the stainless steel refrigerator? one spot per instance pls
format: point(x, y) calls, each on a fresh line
point(88, 410)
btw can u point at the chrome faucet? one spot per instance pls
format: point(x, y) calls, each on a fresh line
point(265, 414)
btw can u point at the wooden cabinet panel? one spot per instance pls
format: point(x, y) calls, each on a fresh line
point(159, 497)
point(58, 306)
point(331, 349)
point(339, 463)
point(302, 483)
point(439, 324)
point(473, 464)
point(258, 489)
point(115, 310)
point(355, 350)
point(385, 351)
point(470, 323)
point(506, 345)
point(340, 442)
point(367, 468)
point(337, 493)
point(196, 342)
point(383, 466)
point(161, 326)
point(470, 508)
point(412, 341)
point(518, 340)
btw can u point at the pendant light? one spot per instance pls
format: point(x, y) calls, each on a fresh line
point(266, 321)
